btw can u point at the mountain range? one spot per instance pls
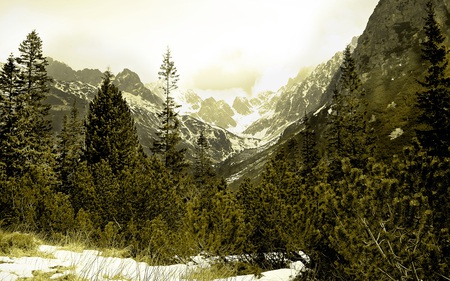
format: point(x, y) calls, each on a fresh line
point(244, 134)
point(234, 131)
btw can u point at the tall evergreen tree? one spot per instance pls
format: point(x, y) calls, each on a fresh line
point(309, 152)
point(169, 131)
point(203, 169)
point(26, 128)
point(10, 85)
point(9, 89)
point(111, 135)
point(434, 100)
point(70, 148)
point(36, 126)
point(349, 133)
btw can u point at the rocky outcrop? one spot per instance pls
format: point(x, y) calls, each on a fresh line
point(218, 113)
point(128, 81)
point(388, 56)
point(242, 106)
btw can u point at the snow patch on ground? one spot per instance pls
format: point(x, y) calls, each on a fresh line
point(91, 265)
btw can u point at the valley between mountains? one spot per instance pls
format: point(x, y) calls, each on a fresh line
point(236, 132)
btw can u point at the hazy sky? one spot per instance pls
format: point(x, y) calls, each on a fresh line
point(225, 46)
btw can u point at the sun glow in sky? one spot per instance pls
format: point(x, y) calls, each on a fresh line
point(218, 46)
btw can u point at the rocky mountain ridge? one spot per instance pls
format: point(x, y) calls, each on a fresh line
point(388, 60)
point(236, 132)
point(144, 105)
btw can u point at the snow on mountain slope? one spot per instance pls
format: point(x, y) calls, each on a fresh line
point(145, 105)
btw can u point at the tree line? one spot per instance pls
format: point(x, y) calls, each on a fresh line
point(359, 217)
point(356, 217)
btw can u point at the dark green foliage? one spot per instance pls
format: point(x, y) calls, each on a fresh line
point(166, 146)
point(266, 211)
point(9, 91)
point(349, 133)
point(434, 100)
point(35, 138)
point(215, 223)
point(309, 151)
point(388, 226)
point(110, 132)
point(26, 158)
point(203, 169)
point(70, 150)
point(25, 129)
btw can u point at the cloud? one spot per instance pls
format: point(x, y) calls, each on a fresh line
point(216, 45)
point(231, 70)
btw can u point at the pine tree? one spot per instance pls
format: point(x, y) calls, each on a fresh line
point(26, 130)
point(34, 125)
point(169, 131)
point(27, 158)
point(434, 100)
point(215, 225)
point(70, 148)
point(111, 135)
point(203, 169)
point(266, 208)
point(309, 152)
point(389, 225)
point(10, 85)
point(349, 133)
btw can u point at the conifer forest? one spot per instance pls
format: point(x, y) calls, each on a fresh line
point(327, 192)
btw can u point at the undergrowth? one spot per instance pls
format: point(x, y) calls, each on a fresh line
point(17, 244)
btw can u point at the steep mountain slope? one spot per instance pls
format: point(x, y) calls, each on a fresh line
point(282, 117)
point(388, 57)
point(389, 61)
point(62, 72)
point(298, 97)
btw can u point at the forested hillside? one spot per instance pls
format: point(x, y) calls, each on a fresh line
point(361, 185)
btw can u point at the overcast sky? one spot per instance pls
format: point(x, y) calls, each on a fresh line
point(226, 46)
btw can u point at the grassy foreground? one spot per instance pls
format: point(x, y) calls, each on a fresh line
point(17, 245)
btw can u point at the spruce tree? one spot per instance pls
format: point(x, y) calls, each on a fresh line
point(434, 101)
point(25, 126)
point(349, 134)
point(70, 149)
point(309, 152)
point(111, 135)
point(10, 85)
point(169, 130)
point(35, 139)
point(203, 169)
point(9, 89)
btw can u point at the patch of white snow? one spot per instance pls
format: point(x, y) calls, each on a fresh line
point(396, 133)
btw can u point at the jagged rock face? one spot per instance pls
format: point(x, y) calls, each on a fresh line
point(388, 56)
point(390, 45)
point(295, 99)
point(218, 113)
point(62, 72)
point(264, 101)
point(395, 30)
point(144, 106)
point(129, 81)
point(242, 106)
point(193, 100)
